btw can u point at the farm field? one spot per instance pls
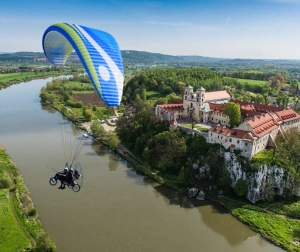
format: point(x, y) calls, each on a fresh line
point(23, 76)
point(253, 82)
point(12, 238)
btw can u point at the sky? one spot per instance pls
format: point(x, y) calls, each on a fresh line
point(267, 29)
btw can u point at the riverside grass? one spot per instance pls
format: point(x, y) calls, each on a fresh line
point(12, 237)
point(25, 232)
point(282, 231)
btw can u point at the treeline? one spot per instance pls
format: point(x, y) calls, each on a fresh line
point(251, 75)
point(167, 81)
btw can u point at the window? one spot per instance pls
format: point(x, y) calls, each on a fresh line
point(238, 141)
point(230, 140)
point(185, 97)
point(197, 99)
point(246, 144)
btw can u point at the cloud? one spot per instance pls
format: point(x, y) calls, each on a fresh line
point(228, 19)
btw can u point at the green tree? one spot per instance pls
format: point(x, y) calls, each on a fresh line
point(234, 113)
point(167, 151)
point(112, 140)
point(181, 177)
point(88, 114)
point(50, 98)
point(97, 130)
point(45, 244)
point(224, 180)
point(241, 188)
point(43, 96)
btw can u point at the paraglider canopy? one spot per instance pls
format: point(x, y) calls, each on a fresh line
point(98, 52)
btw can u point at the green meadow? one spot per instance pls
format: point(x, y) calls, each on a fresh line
point(12, 237)
point(252, 82)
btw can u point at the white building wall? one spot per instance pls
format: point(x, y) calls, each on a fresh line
point(219, 118)
point(291, 124)
point(244, 145)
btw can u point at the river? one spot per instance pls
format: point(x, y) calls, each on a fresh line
point(117, 209)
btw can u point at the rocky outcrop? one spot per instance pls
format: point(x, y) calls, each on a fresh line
point(264, 183)
point(196, 193)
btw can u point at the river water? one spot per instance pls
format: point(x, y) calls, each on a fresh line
point(117, 209)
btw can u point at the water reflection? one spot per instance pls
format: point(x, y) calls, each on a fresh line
point(213, 215)
point(48, 108)
point(113, 162)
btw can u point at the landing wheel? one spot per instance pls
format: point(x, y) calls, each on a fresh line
point(76, 188)
point(53, 181)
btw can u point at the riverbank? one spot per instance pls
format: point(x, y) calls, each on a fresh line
point(21, 229)
point(9, 79)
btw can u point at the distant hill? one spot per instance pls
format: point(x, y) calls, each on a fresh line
point(147, 58)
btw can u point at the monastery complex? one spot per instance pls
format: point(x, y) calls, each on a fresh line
point(259, 123)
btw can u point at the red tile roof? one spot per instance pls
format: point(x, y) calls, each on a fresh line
point(257, 106)
point(177, 101)
point(217, 95)
point(288, 115)
point(236, 133)
point(263, 124)
point(171, 107)
point(216, 107)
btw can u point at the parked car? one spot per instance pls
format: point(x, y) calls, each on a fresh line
point(101, 120)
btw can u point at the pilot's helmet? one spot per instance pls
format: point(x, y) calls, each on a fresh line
point(66, 169)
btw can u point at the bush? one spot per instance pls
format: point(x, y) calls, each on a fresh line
point(78, 104)
point(44, 244)
point(241, 188)
point(5, 180)
point(32, 212)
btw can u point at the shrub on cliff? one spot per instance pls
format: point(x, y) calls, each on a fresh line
point(241, 188)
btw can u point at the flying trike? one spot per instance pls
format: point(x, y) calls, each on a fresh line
point(73, 178)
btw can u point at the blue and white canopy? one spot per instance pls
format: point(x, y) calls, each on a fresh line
point(98, 52)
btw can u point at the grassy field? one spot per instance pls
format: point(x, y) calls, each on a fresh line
point(291, 209)
point(253, 82)
point(195, 127)
point(12, 237)
point(20, 227)
point(278, 229)
point(263, 157)
point(73, 84)
point(281, 231)
point(15, 77)
point(153, 95)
